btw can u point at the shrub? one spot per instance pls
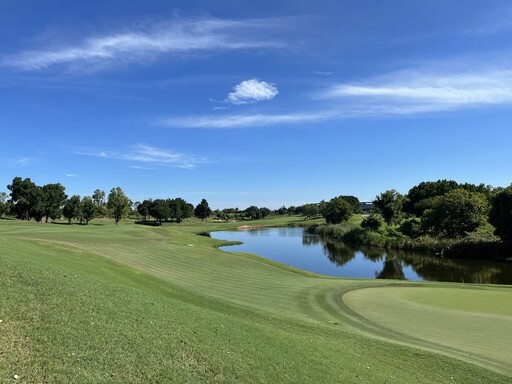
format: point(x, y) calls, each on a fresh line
point(411, 228)
point(373, 222)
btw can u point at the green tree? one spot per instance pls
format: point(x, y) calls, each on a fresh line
point(372, 221)
point(118, 204)
point(4, 204)
point(390, 204)
point(143, 209)
point(337, 210)
point(354, 203)
point(98, 197)
point(71, 208)
point(252, 213)
point(160, 210)
point(202, 210)
point(180, 209)
point(24, 197)
point(54, 197)
point(87, 209)
point(310, 210)
point(422, 196)
point(456, 214)
point(265, 212)
point(500, 215)
point(37, 205)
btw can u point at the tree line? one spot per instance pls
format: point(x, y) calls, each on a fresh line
point(49, 202)
point(441, 209)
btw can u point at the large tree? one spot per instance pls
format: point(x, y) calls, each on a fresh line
point(71, 208)
point(143, 209)
point(310, 210)
point(4, 204)
point(354, 203)
point(88, 210)
point(500, 215)
point(118, 204)
point(456, 214)
point(252, 213)
point(24, 197)
point(160, 210)
point(98, 197)
point(389, 204)
point(54, 197)
point(337, 210)
point(180, 209)
point(422, 196)
point(202, 210)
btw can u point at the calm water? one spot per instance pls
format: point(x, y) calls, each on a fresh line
point(295, 247)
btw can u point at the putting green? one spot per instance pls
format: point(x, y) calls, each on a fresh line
point(471, 322)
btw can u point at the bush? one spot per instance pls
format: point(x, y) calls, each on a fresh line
point(411, 228)
point(373, 222)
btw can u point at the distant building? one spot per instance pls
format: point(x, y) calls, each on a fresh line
point(366, 207)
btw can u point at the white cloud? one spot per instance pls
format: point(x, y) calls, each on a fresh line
point(22, 162)
point(418, 91)
point(240, 121)
point(70, 175)
point(322, 73)
point(179, 36)
point(146, 154)
point(250, 91)
point(408, 92)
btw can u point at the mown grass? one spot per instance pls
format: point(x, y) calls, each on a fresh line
point(130, 303)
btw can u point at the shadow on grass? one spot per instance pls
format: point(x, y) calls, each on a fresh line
point(149, 223)
point(80, 224)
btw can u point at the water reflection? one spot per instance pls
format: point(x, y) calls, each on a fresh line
point(297, 248)
point(427, 267)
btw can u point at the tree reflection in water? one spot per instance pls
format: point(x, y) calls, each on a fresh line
point(427, 267)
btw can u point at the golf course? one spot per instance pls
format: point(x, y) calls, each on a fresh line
point(131, 303)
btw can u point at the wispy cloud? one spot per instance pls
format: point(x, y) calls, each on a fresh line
point(147, 154)
point(22, 162)
point(322, 73)
point(417, 91)
point(71, 175)
point(496, 21)
point(240, 121)
point(175, 37)
point(141, 168)
point(251, 91)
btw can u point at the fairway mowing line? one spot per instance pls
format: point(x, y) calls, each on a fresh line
point(196, 270)
point(376, 330)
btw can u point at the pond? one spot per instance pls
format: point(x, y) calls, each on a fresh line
point(297, 248)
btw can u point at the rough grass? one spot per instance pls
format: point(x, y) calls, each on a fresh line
point(130, 303)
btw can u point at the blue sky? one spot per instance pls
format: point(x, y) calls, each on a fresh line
point(255, 102)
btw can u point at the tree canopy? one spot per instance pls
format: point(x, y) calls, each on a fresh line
point(71, 208)
point(389, 204)
point(118, 204)
point(337, 210)
point(500, 215)
point(456, 213)
point(202, 210)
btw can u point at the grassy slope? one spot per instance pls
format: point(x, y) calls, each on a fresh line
point(138, 304)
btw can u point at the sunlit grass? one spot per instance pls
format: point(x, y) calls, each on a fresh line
point(133, 303)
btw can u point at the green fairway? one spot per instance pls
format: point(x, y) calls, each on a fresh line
point(477, 323)
point(130, 303)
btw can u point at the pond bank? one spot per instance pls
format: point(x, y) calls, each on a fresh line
point(444, 248)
